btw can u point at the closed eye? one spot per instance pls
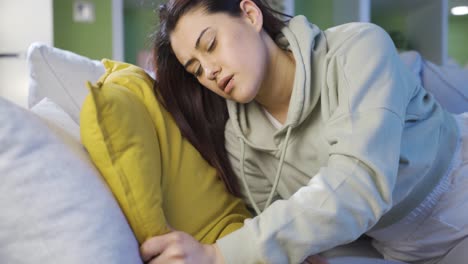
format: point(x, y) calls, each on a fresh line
point(198, 72)
point(212, 45)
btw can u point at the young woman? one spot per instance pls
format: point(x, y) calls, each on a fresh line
point(327, 132)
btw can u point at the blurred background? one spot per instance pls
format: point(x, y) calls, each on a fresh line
point(122, 29)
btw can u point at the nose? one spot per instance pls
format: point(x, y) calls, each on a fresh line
point(212, 70)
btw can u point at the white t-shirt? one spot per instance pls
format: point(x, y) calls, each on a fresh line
point(277, 124)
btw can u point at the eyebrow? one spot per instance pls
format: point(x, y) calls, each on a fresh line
point(197, 44)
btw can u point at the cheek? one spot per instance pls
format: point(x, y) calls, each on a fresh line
point(245, 60)
point(243, 50)
point(210, 85)
point(255, 65)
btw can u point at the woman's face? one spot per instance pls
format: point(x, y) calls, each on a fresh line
point(226, 54)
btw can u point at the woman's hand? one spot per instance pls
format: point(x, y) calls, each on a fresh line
point(315, 259)
point(179, 247)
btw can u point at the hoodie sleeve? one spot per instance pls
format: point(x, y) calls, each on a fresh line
point(364, 109)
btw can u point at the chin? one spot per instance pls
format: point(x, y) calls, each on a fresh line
point(243, 96)
point(243, 99)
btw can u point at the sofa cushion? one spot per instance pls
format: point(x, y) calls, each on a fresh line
point(55, 207)
point(61, 76)
point(448, 84)
point(158, 177)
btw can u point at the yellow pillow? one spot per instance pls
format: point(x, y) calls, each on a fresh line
point(156, 175)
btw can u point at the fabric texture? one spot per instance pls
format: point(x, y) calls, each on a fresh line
point(361, 260)
point(59, 121)
point(55, 207)
point(61, 76)
point(157, 176)
point(448, 84)
point(355, 137)
point(439, 223)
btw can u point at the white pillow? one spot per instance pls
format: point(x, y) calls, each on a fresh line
point(59, 121)
point(61, 76)
point(449, 85)
point(55, 208)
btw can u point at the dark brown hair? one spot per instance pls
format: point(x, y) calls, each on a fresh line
point(200, 114)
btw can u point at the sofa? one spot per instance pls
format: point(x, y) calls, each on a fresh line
point(56, 207)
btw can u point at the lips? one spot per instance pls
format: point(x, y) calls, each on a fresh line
point(224, 82)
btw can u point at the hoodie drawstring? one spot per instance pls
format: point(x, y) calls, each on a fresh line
point(244, 181)
point(277, 177)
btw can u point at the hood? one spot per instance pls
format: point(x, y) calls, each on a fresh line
point(308, 45)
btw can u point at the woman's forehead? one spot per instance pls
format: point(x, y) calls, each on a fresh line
point(197, 19)
point(192, 24)
point(186, 32)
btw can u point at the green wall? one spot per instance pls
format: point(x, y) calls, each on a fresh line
point(395, 25)
point(93, 40)
point(458, 39)
point(457, 33)
point(139, 24)
point(319, 12)
point(390, 22)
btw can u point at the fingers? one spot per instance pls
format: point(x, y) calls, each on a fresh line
point(316, 259)
point(176, 247)
point(170, 255)
point(154, 246)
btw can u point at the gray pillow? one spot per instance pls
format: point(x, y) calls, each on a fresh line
point(55, 208)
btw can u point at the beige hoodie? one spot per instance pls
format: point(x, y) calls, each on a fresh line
point(363, 144)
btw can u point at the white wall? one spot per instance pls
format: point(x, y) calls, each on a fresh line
point(118, 30)
point(21, 23)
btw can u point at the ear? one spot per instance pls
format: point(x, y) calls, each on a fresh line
point(252, 13)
